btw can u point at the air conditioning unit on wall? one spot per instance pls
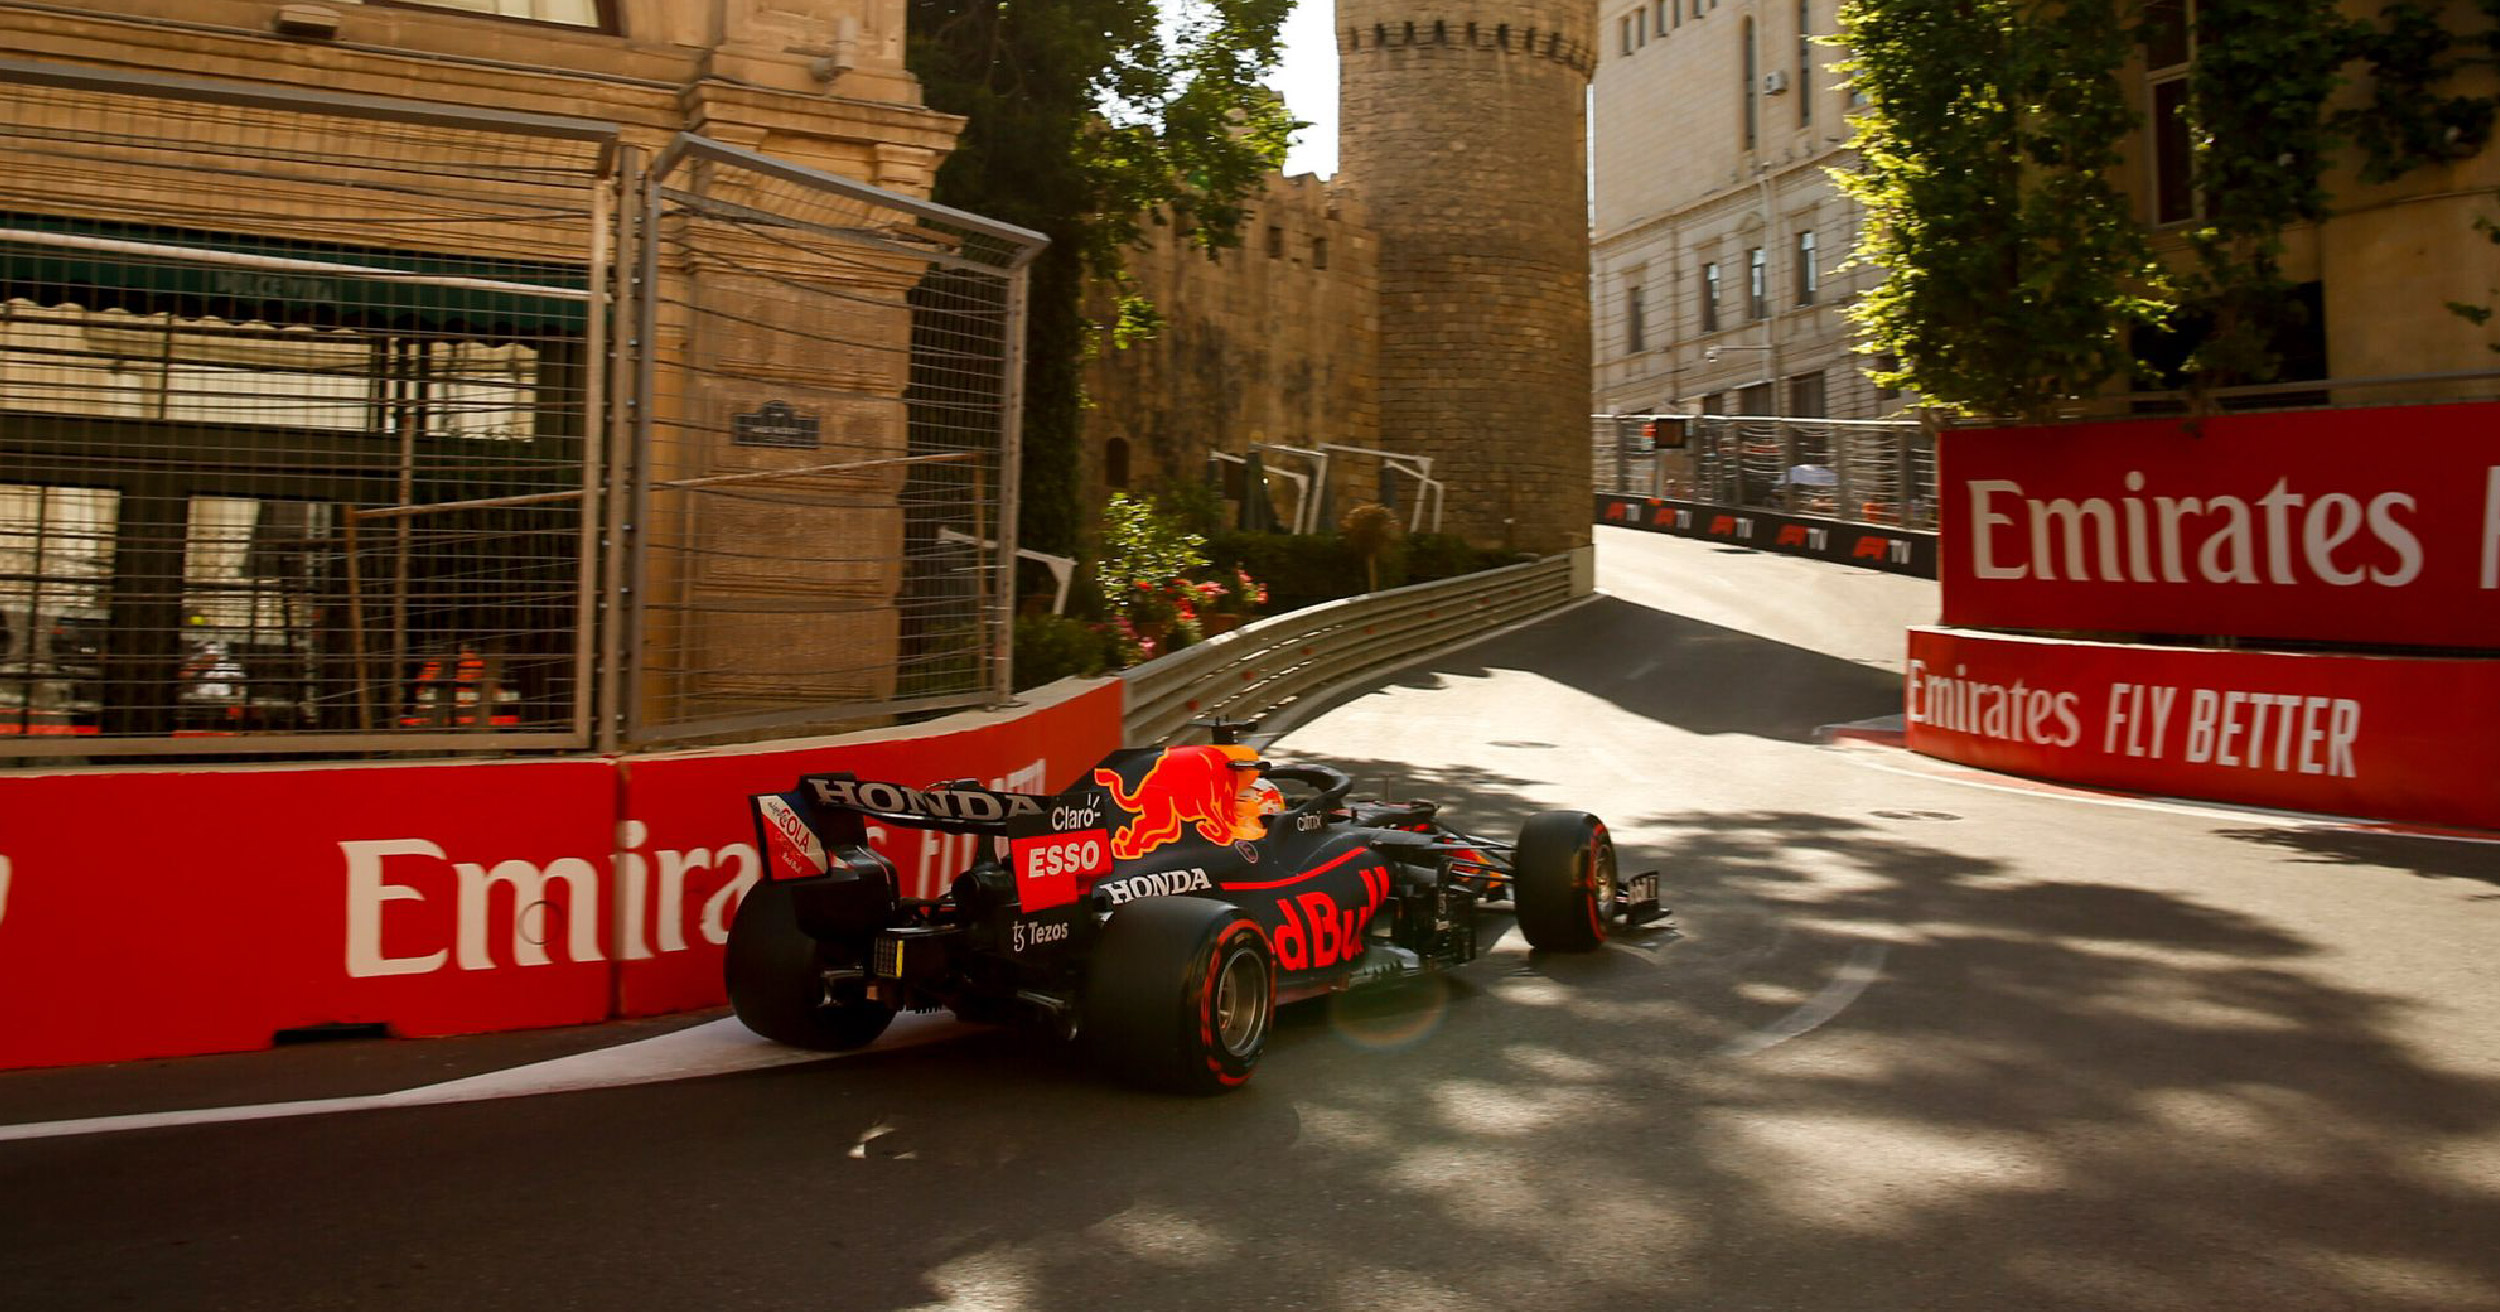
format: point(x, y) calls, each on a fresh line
point(1775, 82)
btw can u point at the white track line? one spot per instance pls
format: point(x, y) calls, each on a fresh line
point(1866, 961)
point(718, 1047)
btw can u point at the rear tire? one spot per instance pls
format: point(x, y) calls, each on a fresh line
point(1563, 878)
point(776, 978)
point(1180, 994)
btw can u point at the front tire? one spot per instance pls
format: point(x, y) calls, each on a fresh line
point(776, 977)
point(1180, 994)
point(1563, 879)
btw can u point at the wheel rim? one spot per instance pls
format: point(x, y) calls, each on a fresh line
point(1241, 1003)
point(1602, 875)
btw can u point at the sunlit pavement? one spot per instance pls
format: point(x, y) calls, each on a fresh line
point(1908, 1043)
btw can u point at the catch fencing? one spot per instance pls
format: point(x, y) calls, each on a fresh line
point(1855, 470)
point(342, 423)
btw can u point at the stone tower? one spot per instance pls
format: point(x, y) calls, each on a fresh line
point(1463, 127)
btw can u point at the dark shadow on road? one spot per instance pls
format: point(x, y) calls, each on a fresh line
point(1863, 1072)
point(2430, 858)
point(1676, 671)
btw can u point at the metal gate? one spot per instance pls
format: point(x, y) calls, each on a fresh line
point(337, 423)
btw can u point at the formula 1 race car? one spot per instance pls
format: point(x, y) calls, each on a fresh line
point(1158, 911)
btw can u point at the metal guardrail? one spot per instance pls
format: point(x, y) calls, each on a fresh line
point(1253, 671)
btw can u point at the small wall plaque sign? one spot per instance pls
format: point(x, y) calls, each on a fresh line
point(775, 423)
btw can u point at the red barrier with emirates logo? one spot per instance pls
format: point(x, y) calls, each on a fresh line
point(154, 913)
point(150, 913)
point(687, 848)
point(2384, 737)
point(2359, 526)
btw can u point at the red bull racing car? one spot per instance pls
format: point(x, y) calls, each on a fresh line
point(1158, 911)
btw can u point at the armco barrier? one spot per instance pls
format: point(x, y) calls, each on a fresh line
point(1898, 550)
point(1254, 670)
point(163, 912)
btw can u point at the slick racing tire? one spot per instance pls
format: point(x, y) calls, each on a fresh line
point(1563, 878)
point(776, 978)
point(1180, 994)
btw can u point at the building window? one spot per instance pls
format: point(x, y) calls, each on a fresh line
point(1757, 282)
point(1753, 106)
point(1640, 26)
point(1805, 395)
point(1887, 363)
point(1275, 242)
point(1115, 463)
point(1710, 297)
point(1319, 252)
point(600, 14)
point(1809, 278)
point(1627, 34)
point(1670, 12)
point(1635, 315)
point(1805, 63)
point(2169, 47)
point(1754, 399)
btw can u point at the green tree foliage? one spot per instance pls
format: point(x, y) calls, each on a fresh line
point(1084, 117)
point(2013, 267)
point(2015, 272)
point(2257, 100)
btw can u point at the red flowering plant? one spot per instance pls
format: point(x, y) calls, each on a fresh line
point(1241, 595)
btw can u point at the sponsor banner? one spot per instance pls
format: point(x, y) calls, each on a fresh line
point(2389, 738)
point(2260, 526)
point(686, 850)
point(435, 899)
point(1874, 546)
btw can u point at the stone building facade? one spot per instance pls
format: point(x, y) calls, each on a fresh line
point(1463, 129)
point(767, 602)
point(1452, 320)
point(1276, 341)
point(1720, 243)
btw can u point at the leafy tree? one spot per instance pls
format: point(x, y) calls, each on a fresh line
point(2015, 271)
point(2014, 267)
point(1084, 118)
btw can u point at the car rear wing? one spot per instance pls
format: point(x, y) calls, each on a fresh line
point(802, 831)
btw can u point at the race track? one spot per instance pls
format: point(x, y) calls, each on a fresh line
point(1909, 1042)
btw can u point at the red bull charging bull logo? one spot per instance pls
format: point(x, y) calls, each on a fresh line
point(1186, 786)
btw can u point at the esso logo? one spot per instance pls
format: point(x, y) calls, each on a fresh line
point(1085, 854)
point(1048, 867)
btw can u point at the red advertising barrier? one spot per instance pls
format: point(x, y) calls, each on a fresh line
point(2385, 737)
point(166, 911)
point(2359, 526)
point(689, 844)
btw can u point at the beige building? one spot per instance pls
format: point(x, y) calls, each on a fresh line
point(552, 369)
point(2377, 272)
point(1717, 279)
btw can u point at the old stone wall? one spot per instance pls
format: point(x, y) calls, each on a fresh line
point(1463, 131)
point(1274, 341)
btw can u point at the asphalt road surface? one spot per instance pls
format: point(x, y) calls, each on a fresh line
point(1911, 1042)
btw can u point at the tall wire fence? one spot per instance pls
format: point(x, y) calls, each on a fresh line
point(826, 490)
point(329, 423)
point(1861, 471)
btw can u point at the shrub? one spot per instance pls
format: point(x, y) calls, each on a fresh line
point(1054, 647)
